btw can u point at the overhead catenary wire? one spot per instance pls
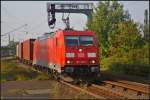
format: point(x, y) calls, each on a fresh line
point(17, 20)
point(37, 26)
point(14, 30)
point(11, 15)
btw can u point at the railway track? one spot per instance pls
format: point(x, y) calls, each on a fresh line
point(116, 90)
point(113, 89)
point(128, 89)
point(104, 92)
point(83, 90)
point(96, 91)
point(146, 86)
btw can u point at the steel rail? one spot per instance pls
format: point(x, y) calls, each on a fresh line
point(83, 90)
point(141, 85)
point(130, 87)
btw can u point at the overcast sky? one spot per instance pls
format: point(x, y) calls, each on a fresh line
point(33, 13)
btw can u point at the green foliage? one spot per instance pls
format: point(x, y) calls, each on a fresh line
point(9, 50)
point(134, 62)
point(114, 28)
point(12, 44)
point(121, 43)
point(130, 69)
point(105, 23)
point(128, 37)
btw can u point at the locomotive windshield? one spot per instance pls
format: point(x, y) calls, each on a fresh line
point(71, 40)
point(86, 40)
point(78, 40)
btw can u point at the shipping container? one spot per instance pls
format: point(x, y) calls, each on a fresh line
point(20, 50)
point(17, 51)
point(28, 50)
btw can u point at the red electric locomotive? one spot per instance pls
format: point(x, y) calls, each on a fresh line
point(64, 52)
point(67, 52)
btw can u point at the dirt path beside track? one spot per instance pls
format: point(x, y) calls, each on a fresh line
point(33, 89)
point(37, 89)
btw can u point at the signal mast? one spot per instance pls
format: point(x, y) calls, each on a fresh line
point(52, 8)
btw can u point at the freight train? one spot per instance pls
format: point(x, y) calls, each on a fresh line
point(66, 54)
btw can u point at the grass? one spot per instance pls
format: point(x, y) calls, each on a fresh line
point(10, 71)
point(121, 66)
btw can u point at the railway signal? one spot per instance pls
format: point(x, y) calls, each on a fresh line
point(52, 8)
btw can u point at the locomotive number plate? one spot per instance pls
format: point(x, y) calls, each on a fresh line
point(81, 62)
point(80, 54)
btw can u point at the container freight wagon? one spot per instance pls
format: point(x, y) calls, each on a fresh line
point(20, 53)
point(17, 51)
point(28, 51)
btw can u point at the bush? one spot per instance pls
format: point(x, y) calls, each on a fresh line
point(130, 69)
point(134, 62)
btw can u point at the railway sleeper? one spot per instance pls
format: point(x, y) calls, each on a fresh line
point(127, 92)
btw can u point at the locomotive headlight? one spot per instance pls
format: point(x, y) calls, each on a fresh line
point(80, 50)
point(91, 54)
point(94, 69)
point(68, 62)
point(93, 61)
point(70, 54)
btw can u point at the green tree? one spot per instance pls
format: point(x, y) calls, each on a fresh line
point(105, 23)
point(128, 36)
point(122, 47)
point(12, 46)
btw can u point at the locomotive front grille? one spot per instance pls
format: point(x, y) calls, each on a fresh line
point(82, 70)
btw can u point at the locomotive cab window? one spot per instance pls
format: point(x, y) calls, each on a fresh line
point(71, 40)
point(78, 40)
point(86, 40)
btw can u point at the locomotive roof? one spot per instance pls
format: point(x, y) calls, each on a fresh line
point(30, 39)
point(46, 35)
point(65, 32)
point(75, 32)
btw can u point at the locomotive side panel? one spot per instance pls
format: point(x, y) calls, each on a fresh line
point(50, 52)
point(59, 51)
point(40, 53)
point(35, 53)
